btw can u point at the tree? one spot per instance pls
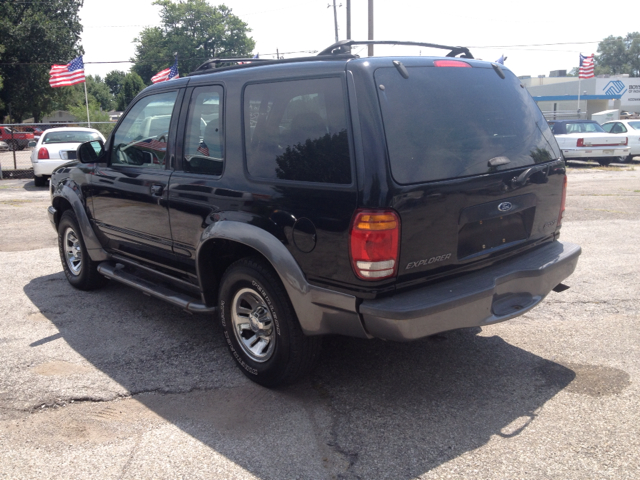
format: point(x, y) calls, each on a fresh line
point(35, 36)
point(95, 114)
point(618, 55)
point(196, 31)
point(115, 81)
point(132, 85)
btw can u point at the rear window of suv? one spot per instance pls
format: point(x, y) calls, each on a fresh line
point(443, 123)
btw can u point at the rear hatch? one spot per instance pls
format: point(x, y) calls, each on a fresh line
point(477, 173)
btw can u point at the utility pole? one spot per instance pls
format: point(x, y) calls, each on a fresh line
point(348, 19)
point(335, 19)
point(370, 27)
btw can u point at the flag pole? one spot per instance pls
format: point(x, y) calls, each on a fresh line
point(579, 88)
point(86, 99)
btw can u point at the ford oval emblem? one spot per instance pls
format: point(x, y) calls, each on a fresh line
point(505, 206)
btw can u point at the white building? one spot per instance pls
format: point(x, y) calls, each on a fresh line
point(561, 94)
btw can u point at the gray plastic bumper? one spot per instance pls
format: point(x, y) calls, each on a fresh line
point(491, 295)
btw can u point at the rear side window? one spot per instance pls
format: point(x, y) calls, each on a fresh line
point(297, 130)
point(203, 145)
point(443, 123)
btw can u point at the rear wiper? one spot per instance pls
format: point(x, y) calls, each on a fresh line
point(524, 176)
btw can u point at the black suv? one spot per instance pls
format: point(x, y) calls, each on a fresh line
point(373, 197)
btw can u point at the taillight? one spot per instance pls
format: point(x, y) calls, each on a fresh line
point(626, 141)
point(562, 203)
point(43, 154)
point(375, 236)
point(580, 142)
point(450, 63)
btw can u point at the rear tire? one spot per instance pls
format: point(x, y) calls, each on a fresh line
point(605, 161)
point(80, 270)
point(39, 181)
point(261, 328)
point(629, 158)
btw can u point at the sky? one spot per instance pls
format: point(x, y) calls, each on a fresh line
point(536, 37)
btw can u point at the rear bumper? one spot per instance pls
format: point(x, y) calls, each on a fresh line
point(491, 295)
point(46, 167)
point(597, 152)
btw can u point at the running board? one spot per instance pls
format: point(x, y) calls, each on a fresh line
point(184, 301)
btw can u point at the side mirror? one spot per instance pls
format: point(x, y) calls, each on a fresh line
point(88, 152)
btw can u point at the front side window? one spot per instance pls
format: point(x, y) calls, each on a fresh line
point(203, 145)
point(635, 125)
point(297, 130)
point(141, 138)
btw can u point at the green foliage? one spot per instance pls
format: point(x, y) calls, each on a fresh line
point(100, 91)
point(95, 115)
point(618, 55)
point(196, 31)
point(132, 85)
point(115, 81)
point(35, 36)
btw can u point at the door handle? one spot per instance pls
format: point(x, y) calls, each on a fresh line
point(156, 190)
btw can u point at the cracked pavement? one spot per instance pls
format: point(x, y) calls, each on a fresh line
point(112, 384)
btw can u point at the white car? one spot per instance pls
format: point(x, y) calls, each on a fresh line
point(57, 146)
point(585, 139)
point(629, 129)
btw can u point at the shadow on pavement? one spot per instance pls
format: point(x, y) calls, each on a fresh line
point(372, 409)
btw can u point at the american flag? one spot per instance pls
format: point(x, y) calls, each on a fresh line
point(166, 74)
point(203, 149)
point(586, 66)
point(66, 75)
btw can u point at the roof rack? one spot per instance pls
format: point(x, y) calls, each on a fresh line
point(344, 47)
point(211, 66)
point(338, 51)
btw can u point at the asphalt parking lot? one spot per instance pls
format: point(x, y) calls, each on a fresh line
point(115, 385)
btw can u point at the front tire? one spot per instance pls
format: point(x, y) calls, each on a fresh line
point(261, 328)
point(80, 270)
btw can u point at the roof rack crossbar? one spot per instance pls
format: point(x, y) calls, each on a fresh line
point(344, 46)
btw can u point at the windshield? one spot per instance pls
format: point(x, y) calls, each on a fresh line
point(584, 127)
point(70, 137)
point(445, 123)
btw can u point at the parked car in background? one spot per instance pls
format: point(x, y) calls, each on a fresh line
point(626, 115)
point(37, 132)
point(4, 146)
point(57, 146)
point(629, 129)
point(16, 140)
point(585, 140)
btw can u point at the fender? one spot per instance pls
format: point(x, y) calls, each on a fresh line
point(319, 310)
point(71, 192)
